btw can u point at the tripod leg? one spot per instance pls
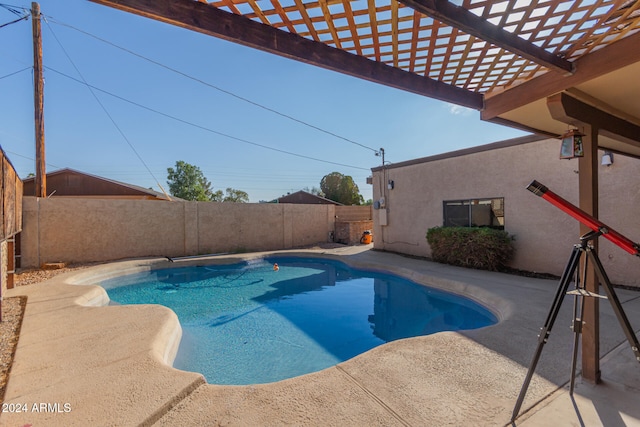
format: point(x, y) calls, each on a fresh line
point(578, 309)
point(565, 280)
point(615, 304)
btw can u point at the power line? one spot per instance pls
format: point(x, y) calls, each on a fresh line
point(16, 10)
point(279, 185)
point(6, 24)
point(106, 111)
point(14, 73)
point(200, 126)
point(90, 87)
point(31, 158)
point(216, 87)
point(22, 14)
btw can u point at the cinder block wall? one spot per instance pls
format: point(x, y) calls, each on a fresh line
point(351, 232)
point(78, 230)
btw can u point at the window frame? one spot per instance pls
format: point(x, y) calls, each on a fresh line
point(500, 219)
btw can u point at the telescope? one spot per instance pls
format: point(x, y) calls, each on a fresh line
point(605, 231)
point(587, 252)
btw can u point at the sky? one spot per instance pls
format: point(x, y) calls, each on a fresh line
point(127, 97)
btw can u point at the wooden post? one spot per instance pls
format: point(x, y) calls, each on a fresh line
point(38, 95)
point(588, 196)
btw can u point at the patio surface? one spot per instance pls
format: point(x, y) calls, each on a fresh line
point(79, 362)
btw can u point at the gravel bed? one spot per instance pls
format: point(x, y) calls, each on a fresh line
point(31, 276)
point(12, 312)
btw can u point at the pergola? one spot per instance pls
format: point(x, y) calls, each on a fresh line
point(532, 64)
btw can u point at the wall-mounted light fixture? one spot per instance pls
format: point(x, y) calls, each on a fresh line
point(607, 158)
point(571, 146)
point(390, 184)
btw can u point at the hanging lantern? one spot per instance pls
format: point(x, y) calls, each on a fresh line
point(571, 145)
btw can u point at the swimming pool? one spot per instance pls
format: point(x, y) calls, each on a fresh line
point(249, 323)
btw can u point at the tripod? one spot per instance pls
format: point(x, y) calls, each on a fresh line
point(579, 250)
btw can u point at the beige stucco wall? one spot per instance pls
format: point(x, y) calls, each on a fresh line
point(544, 234)
point(85, 230)
point(227, 227)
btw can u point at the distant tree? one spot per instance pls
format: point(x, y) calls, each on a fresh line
point(218, 196)
point(235, 196)
point(341, 188)
point(314, 190)
point(188, 182)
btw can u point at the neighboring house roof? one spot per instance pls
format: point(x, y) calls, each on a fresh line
point(304, 198)
point(70, 182)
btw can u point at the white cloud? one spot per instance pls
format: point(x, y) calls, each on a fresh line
point(459, 110)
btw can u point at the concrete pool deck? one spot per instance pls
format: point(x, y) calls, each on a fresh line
point(80, 362)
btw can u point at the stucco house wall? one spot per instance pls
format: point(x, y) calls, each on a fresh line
point(544, 235)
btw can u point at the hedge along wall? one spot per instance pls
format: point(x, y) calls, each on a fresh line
point(78, 230)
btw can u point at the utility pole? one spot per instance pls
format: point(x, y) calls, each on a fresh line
point(38, 97)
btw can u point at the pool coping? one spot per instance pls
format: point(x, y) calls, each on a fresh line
point(66, 355)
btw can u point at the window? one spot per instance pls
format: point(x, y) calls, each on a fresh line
point(474, 213)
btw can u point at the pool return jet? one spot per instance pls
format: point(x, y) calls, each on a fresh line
point(579, 250)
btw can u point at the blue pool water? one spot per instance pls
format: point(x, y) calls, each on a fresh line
point(248, 324)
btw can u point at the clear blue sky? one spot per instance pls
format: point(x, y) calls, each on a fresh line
point(80, 135)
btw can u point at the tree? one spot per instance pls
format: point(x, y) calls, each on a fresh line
point(341, 188)
point(188, 182)
point(236, 196)
point(313, 190)
point(233, 195)
point(218, 196)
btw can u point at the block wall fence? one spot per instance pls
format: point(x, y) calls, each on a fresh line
point(77, 230)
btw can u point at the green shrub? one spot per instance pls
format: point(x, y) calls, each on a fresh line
point(473, 247)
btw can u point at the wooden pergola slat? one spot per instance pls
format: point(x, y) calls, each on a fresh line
point(461, 18)
point(210, 20)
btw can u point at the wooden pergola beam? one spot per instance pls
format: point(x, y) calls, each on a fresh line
point(567, 109)
point(207, 19)
point(460, 18)
point(608, 59)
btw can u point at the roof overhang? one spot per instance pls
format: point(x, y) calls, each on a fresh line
point(605, 84)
